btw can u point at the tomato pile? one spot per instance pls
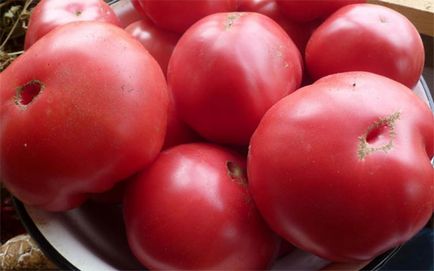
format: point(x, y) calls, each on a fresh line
point(225, 128)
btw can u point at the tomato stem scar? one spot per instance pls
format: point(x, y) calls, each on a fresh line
point(26, 94)
point(237, 173)
point(231, 18)
point(373, 131)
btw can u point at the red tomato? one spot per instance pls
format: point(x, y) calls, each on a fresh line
point(126, 13)
point(158, 42)
point(222, 84)
point(253, 5)
point(178, 15)
point(139, 9)
point(92, 113)
point(342, 168)
point(310, 10)
point(369, 38)
point(49, 14)
point(177, 131)
point(192, 210)
point(298, 32)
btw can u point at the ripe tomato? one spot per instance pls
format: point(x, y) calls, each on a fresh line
point(342, 168)
point(222, 84)
point(179, 15)
point(91, 113)
point(126, 13)
point(298, 32)
point(138, 7)
point(310, 10)
point(191, 209)
point(177, 131)
point(367, 37)
point(49, 14)
point(254, 5)
point(158, 42)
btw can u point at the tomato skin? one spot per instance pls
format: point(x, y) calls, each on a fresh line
point(298, 32)
point(367, 37)
point(317, 186)
point(138, 7)
point(126, 13)
point(226, 87)
point(179, 15)
point(49, 14)
point(160, 43)
point(178, 132)
point(310, 10)
point(68, 141)
point(189, 199)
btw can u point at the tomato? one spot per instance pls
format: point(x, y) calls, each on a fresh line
point(191, 209)
point(341, 168)
point(126, 13)
point(254, 5)
point(158, 42)
point(138, 7)
point(179, 15)
point(310, 10)
point(298, 32)
point(222, 85)
point(178, 132)
point(49, 14)
point(369, 38)
point(91, 113)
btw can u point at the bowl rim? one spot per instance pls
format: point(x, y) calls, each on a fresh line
point(40, 239)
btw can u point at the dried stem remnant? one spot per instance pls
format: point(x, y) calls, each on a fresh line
point(231, 18)
point(373, 131)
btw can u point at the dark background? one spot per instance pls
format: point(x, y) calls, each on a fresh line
point(428, 74)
